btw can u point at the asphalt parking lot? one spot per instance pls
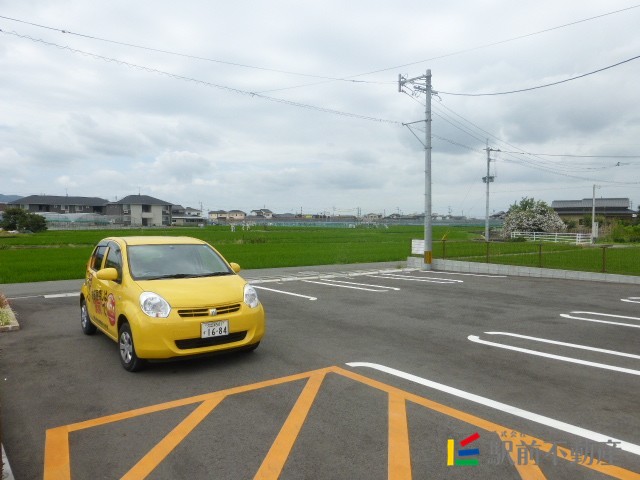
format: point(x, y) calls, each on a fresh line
point(365, 372)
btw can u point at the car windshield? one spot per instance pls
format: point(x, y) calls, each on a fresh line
point(152, 262)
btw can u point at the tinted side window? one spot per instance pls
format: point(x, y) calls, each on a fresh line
point(114, 259)
point(97, 257)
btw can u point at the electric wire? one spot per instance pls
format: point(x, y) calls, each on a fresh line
point(186, 55)
point(202, 82)
point(541, 86)
point(467, 50)
point(325, 78)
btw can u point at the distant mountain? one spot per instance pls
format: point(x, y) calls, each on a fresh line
point(8, 198)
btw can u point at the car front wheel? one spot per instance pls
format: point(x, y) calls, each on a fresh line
point(128, 357)
point(85, 322)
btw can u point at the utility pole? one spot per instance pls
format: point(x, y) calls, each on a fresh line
point(488, 179)
point(594, 224)
point(415, 86)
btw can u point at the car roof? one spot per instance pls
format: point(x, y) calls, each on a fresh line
point(157, 240)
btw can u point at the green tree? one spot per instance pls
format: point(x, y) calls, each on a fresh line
point(19, 219)
point(530, 215)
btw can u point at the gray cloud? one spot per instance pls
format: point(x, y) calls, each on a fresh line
point(66, 114)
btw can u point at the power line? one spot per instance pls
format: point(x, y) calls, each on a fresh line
point(569, 155)
point(350, 78)
point(185, 55)
point(493, 44)
point(542, 86)
point(539, 163)
point(204, 83)
point(460, 52)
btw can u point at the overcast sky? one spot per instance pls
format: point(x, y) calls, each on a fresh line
point(88, 112)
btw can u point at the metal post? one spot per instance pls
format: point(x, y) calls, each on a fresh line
point(428, 254)
point(593, 217)
point(486, 216)
point(540, 255)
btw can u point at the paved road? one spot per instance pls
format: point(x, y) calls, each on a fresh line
point(370, 372)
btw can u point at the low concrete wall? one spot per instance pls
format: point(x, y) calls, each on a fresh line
point(497, 269)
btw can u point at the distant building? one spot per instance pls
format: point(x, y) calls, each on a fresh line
point(218, 215)
point(178, 210)
point(609, 208)
point(61, 204)
point(236, 215)
point(372, 217)
point(140, 210)
point(263, 213)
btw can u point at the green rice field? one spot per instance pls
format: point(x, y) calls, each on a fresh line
point(60, 255)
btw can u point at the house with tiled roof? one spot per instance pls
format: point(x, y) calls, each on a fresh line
point(61, 204)
point(140, 210)
point(608, 208)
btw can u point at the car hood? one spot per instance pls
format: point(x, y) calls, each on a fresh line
point(197, 292)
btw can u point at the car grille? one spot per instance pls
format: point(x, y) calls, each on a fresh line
point(205, 312)
point(210, 342)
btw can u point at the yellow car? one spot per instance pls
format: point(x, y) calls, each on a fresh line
point(166, 297)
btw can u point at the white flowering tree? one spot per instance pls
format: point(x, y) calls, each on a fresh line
point(531, 216)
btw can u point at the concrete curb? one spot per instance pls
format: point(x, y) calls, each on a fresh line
point(516, 271)
point(13, 323)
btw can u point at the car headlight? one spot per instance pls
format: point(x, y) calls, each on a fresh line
point(154, 305)
point(250, 296)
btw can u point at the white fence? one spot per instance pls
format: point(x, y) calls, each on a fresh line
point(576, 238)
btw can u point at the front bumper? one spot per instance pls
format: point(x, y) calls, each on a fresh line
point(175, 336)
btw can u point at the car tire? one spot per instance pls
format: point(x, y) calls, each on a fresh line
point(128, 356)
point(251, 348)
point(88, 328)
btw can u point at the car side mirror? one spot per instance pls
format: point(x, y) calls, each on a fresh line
point(107, 274)
point(235, 267)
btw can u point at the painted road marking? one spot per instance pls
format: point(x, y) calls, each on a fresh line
point(62, 295)
point(347, 286)
point(465, 274)
point(476, 339)
point(565, 344)
point(571, 316)
point(534, 417)
point(57, 447)
point(470, 274)
point(286, 293)
point(49, 295)
point(631, 299)
point(365, 285)
point(415, 279)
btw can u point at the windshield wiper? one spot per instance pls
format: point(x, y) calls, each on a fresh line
point(170, 275)
point(188, 275)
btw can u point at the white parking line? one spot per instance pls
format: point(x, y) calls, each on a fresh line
point(62, 295)
point(476, 339)
point(364, 284)
point(347, 286)
point(286, 293)
point(46, 295)
point(566, 315)
point(466, 274)
point(564, 344)
point(534, 417)
point(631, 299)
point(414, 279)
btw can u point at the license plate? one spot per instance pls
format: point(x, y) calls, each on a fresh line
point(214, 329)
